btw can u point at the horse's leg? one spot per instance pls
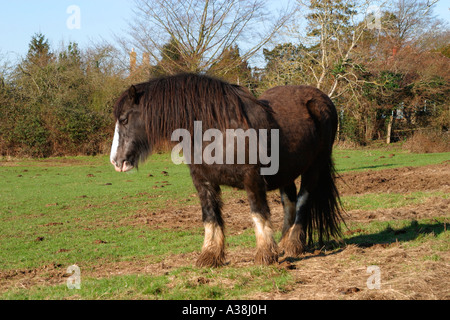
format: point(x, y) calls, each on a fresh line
point(294, 240)
point(288, 199)
point(266, 252)
point(288, 195)
point(213, 250)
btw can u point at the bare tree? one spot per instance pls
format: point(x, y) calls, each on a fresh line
point(193, 35)
point(409, 20)
point(335, 28)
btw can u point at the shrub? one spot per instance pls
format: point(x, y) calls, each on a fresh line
point(428, 142)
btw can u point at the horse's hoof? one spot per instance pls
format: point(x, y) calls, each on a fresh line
point(292, 249)
point(211, 259)
point(265, 257)
point(293, 243)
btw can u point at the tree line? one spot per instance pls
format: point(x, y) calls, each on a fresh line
point(386, 68)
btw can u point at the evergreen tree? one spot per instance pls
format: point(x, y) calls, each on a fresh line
point(39, 53)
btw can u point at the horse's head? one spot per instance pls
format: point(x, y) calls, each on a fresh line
point(130, 144)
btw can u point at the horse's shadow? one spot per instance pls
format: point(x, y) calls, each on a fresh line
point(390, 235)
point(383, 238)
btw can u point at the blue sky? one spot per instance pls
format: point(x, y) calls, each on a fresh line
point(21, 19)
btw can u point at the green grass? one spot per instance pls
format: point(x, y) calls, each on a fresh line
point(74, 210)
point(379, 159)
point(87, 248)
point(32, 187)
point(57, 210)
point(375, 201)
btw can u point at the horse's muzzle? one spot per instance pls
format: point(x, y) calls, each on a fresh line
point(126, 166)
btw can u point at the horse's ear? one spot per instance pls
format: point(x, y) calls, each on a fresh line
point(132, 94)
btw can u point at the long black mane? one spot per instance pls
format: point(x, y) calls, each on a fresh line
point(173, 102)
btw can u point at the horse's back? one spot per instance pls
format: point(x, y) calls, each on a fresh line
point(307, 120)
point(296, 104)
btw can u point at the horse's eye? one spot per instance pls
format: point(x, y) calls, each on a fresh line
point(124, 121)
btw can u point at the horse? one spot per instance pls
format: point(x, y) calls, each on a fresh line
point(305, 120)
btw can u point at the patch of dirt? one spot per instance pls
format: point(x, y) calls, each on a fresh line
point(46, 275)
point(398, 180)
point(403, 273)
point(56, 274)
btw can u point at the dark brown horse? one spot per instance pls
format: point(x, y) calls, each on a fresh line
point(304, 120)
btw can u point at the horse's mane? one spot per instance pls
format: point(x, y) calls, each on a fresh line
point(174, 102)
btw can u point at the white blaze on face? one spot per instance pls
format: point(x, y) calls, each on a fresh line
point(115, 143)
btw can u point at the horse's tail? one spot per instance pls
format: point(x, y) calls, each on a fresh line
point(324, 204)
point(325, 208)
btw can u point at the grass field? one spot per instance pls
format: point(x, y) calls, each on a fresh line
point(59, 212)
